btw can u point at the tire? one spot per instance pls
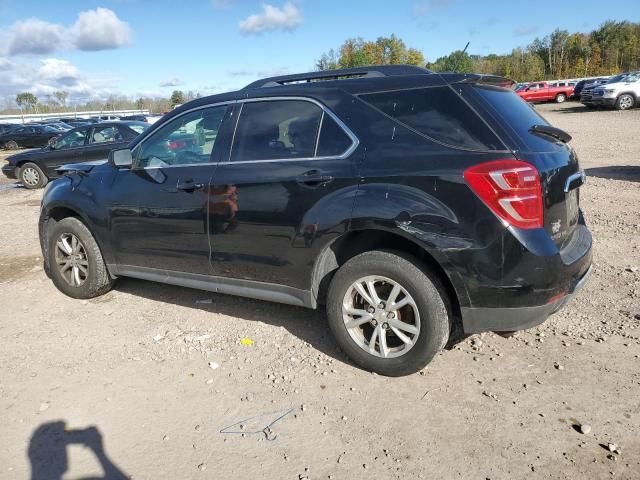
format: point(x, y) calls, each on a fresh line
point(11, 145)
point(561, 98)
point(32, 176)
point(94, 279)
point(427, 332)
point(625, 102)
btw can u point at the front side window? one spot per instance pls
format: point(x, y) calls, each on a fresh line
point(438, 113)
point(76, 138)
point(186, 140)
point(280, 129)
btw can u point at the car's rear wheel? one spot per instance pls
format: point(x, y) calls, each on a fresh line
point(11, 145)
point(560, 98)
point(76, 264)
point(32, 176)
point(388, 312)
point(625, 102)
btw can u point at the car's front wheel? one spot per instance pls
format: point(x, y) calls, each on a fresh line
point(625, 102)
point(32, 176)
point(388, 312)
point(76, 265)
point(560, 98)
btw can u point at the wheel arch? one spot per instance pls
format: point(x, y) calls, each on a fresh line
point(355, 242)
point(56, 213)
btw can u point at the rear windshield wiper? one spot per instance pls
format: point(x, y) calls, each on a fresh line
point(550, 131)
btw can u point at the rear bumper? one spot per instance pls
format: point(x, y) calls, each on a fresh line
point(10, 171)
point(476, 320)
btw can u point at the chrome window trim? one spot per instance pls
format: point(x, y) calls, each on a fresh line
point(355, 142)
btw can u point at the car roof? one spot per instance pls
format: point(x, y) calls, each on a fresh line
point(353, 80)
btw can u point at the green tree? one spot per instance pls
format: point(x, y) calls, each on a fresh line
point(26, 100)
point(356, 52)
point(458, 61)
point(177, 98)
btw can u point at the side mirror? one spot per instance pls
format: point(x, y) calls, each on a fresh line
point(121, 158)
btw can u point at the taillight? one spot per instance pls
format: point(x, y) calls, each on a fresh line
point(511, 189)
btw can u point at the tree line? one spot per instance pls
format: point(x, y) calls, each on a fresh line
point(58, 102)
point(612, 48)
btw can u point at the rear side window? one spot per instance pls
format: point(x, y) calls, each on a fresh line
point(438, 113)
point(519, 115)
point(334, 141)
point(280, 129)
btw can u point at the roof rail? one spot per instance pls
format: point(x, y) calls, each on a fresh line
point(357, 72)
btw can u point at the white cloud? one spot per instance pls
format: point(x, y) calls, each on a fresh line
point(288, 18)
point(33, 36)
point(171, 82)
point(100, 29)
point(50, 75)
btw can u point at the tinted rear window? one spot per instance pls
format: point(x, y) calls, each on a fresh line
point(517, 114)
point(333, 140)
point(438, 113)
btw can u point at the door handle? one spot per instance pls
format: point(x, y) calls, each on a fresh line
point(313, 178)
point(189, 186)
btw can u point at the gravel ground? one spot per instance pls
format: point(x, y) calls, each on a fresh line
point(124, 384)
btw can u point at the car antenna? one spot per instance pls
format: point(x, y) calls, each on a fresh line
point(461, 55)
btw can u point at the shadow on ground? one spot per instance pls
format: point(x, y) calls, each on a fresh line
point(49, 456)
point(308, 325)
point(630, 173)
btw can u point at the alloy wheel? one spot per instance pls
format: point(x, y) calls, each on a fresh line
point(381, 316)
point(71, 259)
point(625, 102)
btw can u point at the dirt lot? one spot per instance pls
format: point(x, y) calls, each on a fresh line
point(134, 364)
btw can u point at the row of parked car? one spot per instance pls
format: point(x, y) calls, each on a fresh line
point(620, 91)
point(60, 144)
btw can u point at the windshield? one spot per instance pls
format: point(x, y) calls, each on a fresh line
point(50, 129)
point(617, 78)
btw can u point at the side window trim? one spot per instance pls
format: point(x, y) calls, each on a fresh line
point(158, 125)
point(354, 139)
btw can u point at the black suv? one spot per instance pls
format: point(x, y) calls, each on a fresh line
point(412, 204)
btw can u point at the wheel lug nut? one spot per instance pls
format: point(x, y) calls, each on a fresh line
point(381, 305)
point(385, 325)
point(391, 315)
point(371, 310)
point(374, 323)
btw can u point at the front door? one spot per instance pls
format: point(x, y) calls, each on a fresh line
point(268, 220)
point(102, 140)
point(158, 208)
point(65, 150)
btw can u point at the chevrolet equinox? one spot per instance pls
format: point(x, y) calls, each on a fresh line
point(411, 204)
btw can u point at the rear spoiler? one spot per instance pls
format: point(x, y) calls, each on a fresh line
point(79, 167)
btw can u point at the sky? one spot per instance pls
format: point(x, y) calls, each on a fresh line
point(94, 48)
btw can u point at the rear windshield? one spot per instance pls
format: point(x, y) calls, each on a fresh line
point(517, 114)
point(438, 113)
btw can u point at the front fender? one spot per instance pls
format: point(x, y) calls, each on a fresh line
point(74, 194)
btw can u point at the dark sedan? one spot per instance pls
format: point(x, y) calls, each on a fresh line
point(28, 136)
point(7, 127)
point(82, 144)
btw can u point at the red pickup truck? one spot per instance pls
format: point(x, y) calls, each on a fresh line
point(543, 92)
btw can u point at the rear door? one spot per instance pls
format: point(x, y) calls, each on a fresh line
point(556, 161)
point(284, 193)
